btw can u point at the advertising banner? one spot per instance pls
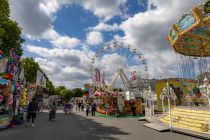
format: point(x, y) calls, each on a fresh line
point(181, 88)
point(40, 79)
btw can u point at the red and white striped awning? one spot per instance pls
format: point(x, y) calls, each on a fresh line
point(105, 94)
point(116, 94)
point(100, 94)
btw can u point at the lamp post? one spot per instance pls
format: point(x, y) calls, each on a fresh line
point(168, 93)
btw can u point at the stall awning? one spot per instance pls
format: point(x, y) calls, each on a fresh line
point(116, 94)
point(4, 81)
point(100, 94)
point(8, 76)
point(105, 94)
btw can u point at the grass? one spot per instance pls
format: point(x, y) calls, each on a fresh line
point(121, 116)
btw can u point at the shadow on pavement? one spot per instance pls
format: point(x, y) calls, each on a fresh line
point(98, 129)
point(65, 127)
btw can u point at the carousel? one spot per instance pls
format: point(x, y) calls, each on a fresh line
point(190, 38)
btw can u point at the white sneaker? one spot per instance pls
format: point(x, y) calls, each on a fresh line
point(32, 125)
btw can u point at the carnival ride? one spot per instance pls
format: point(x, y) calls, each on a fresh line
point(190, 38)
point(117, 59)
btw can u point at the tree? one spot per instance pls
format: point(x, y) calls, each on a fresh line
point(50, 87)
point(30, 69)
point(77, 92)
point(4, 9)
point(10, 33)
point(67, 94)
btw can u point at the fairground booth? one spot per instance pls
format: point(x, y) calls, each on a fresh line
point(113, 103)
point(13, 92)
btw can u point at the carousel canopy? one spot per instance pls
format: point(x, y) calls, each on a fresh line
point(191, 34)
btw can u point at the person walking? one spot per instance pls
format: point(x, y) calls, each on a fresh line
point(133, 107)
point(31, 112)
point(87, 109)
point(82, 106)
point(93, 108)
point(79, 105)
point(65, 107)
point(76, 105)
point(53, 110)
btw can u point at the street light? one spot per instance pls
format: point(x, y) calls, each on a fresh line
point(168, 93)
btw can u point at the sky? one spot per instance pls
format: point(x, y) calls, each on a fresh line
point(63, 35)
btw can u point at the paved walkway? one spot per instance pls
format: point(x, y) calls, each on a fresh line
point(79, 127)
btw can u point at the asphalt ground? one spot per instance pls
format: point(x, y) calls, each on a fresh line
point(77, 126)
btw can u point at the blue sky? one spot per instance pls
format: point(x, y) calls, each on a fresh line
point(63, 35)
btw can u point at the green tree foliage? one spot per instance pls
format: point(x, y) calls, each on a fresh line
point(50, 87)
point(10, 33)
point(67, 94)
point(4, 9)
point(30, 69)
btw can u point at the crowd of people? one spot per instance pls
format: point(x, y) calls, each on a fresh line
point(35, 107)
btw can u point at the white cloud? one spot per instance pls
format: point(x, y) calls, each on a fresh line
point(104, 9)
point(105, 27)
point(66, 42)
point(44, 52)
point(36, 17)
point(117, 37)
point(50, 34)
point(94, 38)
point(30, 17)
point(147, 31)
point(64, 65)
point(49, 6)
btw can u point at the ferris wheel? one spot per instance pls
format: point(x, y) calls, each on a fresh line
point(117, 59)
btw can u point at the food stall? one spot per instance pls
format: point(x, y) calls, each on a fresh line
point(109, 103)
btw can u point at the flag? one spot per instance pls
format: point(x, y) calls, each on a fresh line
point(103, 78)
point(97, 75)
